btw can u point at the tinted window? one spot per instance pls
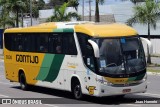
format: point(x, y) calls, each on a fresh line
point(57, 43)
point(42, 43)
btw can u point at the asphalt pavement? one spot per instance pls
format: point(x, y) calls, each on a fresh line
point(59, 98)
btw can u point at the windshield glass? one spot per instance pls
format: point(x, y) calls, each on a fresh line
point(133, 54)
point(120, 55)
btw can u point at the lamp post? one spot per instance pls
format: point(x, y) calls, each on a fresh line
point(31, 11)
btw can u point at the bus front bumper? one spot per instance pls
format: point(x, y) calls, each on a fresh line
point(106, 90)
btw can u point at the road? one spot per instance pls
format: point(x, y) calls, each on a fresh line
point(65, 99)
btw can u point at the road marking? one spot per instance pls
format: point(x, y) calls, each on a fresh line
point(152, 94)
point(134, 105)
point(50, 105)
point(6, 83)
point(148, 82)
point(4, 95)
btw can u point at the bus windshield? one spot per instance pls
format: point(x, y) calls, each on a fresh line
point(120, 55)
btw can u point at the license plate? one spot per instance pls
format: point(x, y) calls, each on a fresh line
point(126, 90)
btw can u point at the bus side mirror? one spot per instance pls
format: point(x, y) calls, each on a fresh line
point(95, 48)
point(150, 46)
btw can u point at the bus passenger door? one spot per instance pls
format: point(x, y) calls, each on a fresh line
point(90, 76)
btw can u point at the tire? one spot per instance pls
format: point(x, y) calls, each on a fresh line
point(22, 81)
point(77, 92)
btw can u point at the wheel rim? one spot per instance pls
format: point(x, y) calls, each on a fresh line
point(77, 91)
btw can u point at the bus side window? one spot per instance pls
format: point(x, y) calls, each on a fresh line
point(51, 44)
point(8, 40)
point(42, 43)
point(59, 44)
point(69, 46)
point(62, 43)
point(55, 43)
point(18, 42)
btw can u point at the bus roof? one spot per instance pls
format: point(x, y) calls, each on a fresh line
point(45, 27)
point(105, 30)
point(89, 28)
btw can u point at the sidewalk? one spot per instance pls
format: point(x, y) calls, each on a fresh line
point(155, 66)
point(1, 56)
point(155, 60)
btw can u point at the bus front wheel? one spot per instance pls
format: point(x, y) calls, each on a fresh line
point(77, 92)
point(22, 81)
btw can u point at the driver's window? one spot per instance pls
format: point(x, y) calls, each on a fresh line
point(87, 51)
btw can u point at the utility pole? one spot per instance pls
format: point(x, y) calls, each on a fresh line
point(90, 15)
point(83, 10)
point(31, 11)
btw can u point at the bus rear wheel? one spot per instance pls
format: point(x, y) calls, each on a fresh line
point(22, 81)
point(77, 92)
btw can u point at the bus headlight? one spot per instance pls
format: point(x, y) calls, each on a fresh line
point(103, 81)
point(144, 78)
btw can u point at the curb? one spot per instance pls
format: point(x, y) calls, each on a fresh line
point(153, 73)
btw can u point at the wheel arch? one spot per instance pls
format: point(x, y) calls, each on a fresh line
point(20, 72)
point(75, 79)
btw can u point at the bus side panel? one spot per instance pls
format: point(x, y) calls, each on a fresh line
point(29, 63)
point(10, 66)
point(51, 72)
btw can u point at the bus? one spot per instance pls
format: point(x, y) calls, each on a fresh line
point(84, 58)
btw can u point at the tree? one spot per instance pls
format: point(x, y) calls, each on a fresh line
point(56, 2)
point(147, 13)
point(137, 1)
point(97, 19)
point(36, 6)
point(14, 6)
point(40, 4)
point(61, 15)
point(72, 3)
point(6, 20)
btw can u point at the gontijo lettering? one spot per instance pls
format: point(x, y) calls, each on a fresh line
point(27, 59)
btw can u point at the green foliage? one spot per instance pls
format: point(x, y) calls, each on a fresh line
point(147, 13)
point(16, 7)
point(13, 6)
point(137, 1)
point(61, 15)
point(40, 4)
point(6, 21)
point(72, 3)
